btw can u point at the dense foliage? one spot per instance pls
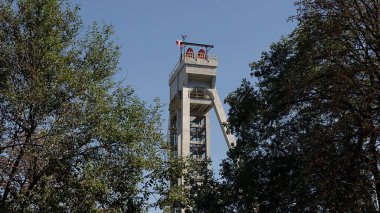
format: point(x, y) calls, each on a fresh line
point(308, 129)
point(71, 139)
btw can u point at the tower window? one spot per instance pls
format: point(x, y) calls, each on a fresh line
point(197, 120)
point(201, 54)
point(189, 53)
point(198, 134)
point(198, 151)
point(198, 128)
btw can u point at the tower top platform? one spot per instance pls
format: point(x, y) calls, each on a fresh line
point(211, 62)
point(190, 60)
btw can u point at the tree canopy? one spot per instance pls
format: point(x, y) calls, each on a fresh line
point(71, 139)
point(74, 140)
point(308, 125)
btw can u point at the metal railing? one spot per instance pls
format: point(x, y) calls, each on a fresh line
point(212, 57)
point(173, 71)
point(200, 93)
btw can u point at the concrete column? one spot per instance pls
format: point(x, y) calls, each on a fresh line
point(208, 135)
point(185, 122)
point(179, 131)
point(221, 115)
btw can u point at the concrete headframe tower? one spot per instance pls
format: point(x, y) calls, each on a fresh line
point(192, 96)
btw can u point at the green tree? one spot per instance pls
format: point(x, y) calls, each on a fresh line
point(71, 139)
point(308, 130)
point(181, 182)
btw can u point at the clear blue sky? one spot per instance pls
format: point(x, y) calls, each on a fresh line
point(147, 31)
